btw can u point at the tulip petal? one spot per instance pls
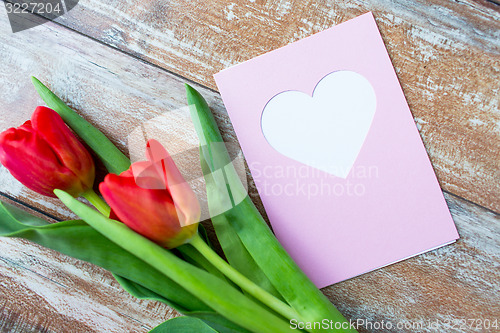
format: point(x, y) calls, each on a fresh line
point(150, 213)
point(186, 203)
point(155, 152)
point(50, 126)
point(147, 176)
point(45, 155)
point(32, 161)
point(114, 160)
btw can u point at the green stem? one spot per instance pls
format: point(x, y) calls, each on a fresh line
point(214, 292)
point(242, 281)
point(98, 203)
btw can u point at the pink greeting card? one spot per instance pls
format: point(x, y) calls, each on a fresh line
point(335, 154)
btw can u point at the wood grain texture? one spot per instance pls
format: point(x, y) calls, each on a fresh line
point(446, 54)
point(440, 286)
point(43, 291)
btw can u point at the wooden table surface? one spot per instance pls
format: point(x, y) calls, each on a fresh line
point(122, 62)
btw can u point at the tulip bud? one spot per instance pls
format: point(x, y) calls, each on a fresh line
point(44, 155)
point(153, 199)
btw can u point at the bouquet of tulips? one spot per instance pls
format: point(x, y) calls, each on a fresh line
point(147, 230)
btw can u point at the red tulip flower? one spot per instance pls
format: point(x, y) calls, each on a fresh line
point(153, 199)
point(44, 155)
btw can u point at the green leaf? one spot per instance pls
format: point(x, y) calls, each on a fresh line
point(114, 160)
point(142, 292)
point(286, 276)
point(252, 230)
point(79, 240)
point(215, 161)
point(76, 238)
point(215, 321)
point(237, 254)
point(13, 219)
point(219, 323)
point(214, 292)
point(194, 257)
point(183, 325)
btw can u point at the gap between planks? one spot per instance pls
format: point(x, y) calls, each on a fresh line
point(180, 78)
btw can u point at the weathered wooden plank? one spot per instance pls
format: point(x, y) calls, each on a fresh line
point(119, 93)
point(493, 4)
point(115, 92)
point(41, 290)
point(44, 291)
point(454, 283)
point(446, 54)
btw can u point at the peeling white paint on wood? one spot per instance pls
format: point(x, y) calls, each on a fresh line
point(446, 54)
point(448, 66)
point(52, 286)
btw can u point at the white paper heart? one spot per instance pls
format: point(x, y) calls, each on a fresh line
point(327, 130)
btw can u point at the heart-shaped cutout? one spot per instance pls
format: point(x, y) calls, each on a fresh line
point(325, 131)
